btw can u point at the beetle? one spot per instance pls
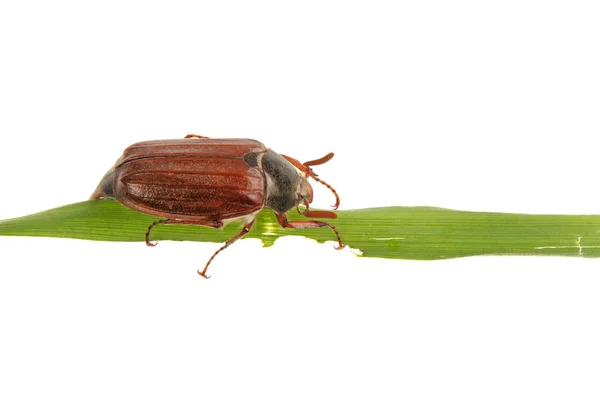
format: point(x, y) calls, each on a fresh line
point(211, 182)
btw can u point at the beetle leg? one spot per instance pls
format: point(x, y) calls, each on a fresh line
point(283, 221)
point(337, 197)
point(211, 224)
point(191, 135)
point(319, 214)
point(152, 225)
point(301, 212)
point(315, 214)
point(244, 231)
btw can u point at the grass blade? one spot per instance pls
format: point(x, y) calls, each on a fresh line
point(417, 233)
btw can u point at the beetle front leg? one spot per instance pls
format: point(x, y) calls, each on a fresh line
point(244, 231)
point(283, 221)
point(211, 224)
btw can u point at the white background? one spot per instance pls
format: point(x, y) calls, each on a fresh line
point(469, 105)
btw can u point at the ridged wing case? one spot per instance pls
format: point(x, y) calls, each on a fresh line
point(194, 179)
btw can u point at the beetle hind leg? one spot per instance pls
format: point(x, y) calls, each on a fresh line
point(152, 225)
point(211, 224)
point(234, 239)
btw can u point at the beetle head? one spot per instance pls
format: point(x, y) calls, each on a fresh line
point(304, 192)
point(287, 183)
point(307, 171)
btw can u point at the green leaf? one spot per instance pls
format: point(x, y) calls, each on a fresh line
point(417, 233)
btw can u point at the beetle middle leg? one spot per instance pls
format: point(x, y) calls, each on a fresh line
point(283, 221)
point(211, 224)
point(228, 243)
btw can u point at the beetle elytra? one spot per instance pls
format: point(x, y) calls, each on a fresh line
point(211, 182)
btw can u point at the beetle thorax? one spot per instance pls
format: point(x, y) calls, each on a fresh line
point(286, 186)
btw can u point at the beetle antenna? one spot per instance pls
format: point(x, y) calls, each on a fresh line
point(319, 161)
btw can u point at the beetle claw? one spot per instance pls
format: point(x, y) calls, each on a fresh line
point(339, 247)
point(202, 274)
point(151, 244)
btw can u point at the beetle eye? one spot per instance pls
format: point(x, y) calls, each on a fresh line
point(301, 197)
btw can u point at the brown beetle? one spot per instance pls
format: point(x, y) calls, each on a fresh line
point(211, 182)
